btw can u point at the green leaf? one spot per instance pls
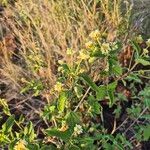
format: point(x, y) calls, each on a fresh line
point(137, 48)
point(95, 106)
point(146, 96)
point(111, 97)
point(110, 89)
point(12, 144)
point(87, 143)
point(64, 135)
point(49, 147)
point(48, 111)
point(65, 68)
point(33, 146)
point(112, 86)
point(29, 131)
point(134, 77)
point(72, 119)
point(6, 110)
point(147, 102)
point(89, 81)
point(143, 62)
point(61, 101)
point(7, 126)
point(147, 117)
point(73, 147)
point(101, 93)
point(146, 133)
point(78, 90)
point(30, 127)
point(108, 146)
point(117, 69)
point(97, 53)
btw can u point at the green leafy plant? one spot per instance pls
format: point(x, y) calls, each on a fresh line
point(89, 97)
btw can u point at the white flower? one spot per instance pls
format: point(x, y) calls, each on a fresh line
point(78, 130)
point(69, 51)
point(139, 39)
point(83, 55)
point(148, 42)
point(89, 44)
point(58, 87)
point(105, 48)
point(95, 35)
point(114, 46)
point(145, 51)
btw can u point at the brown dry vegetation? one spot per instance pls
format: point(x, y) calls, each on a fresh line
point(35, 35)
point(44, 30)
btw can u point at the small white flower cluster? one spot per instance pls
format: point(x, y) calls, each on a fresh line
point(83, 55)
point(89, 44)
point(146, 50)
point(58, 87)
point(105, 48)
point(95, 35)
point(78, 130)
point(139, 39)
point(148, 42)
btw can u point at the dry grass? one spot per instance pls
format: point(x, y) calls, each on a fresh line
point(43, 31)
point(35, 34)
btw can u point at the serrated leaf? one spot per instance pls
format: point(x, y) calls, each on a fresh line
point(29, 131)
point(137, 48)
point(50, 147)
point(145, 117)
point(96, 108)
point(72, 119)
point(146, 95)
point(73, 147)
point(61, 101)
point(147, 102)
point(88, 143)
point(110, 90)
point(89, 81)
point(146, 133)
point(30, 127)
point(33, 147)
point(94, 104)
point(143, 62)
point(64, 135)
point(117, 69)
point(6, 110)
point(97, 53)
point(102, 91)
point(112, 86)
point(134, 77)
point(7, 126)
point(65, 67)
point(111, 97)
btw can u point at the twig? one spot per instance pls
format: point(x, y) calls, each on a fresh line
point(114, 127)
point(81, 101)
point(120, 125)
point(136, 120)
